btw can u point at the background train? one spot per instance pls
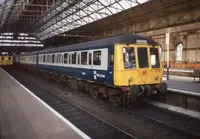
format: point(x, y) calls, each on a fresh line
point(121, 68)
point(6, 60)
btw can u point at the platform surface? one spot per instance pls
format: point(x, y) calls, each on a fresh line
point(183, 83)
point(22, 116)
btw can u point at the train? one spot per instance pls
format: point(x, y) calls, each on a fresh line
point(6, 60)
point(121, 69)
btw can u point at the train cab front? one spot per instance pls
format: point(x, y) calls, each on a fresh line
point(139, 70)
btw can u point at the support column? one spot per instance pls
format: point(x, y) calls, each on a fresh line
point(167, 38)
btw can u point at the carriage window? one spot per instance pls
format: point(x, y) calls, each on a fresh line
point(2, 58)
point(53, 58)
point(59, 58)
point(65, 58)
point(74, 58)
point(9, 58)
point(48, 58)
point(84, 58)
point(110, 59)
point(70, 58)
point(78, 59)
point(97, 58)
point(90, 59)
point(155, 63)
point(143, 57)
point(62, 58)
point(129, 58)
point(43, 58)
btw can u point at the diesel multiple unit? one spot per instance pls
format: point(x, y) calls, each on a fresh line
point(120, 68)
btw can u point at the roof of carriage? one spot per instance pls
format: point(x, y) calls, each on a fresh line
point(110, 41)
point(29, 53)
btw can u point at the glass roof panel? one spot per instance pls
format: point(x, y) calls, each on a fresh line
point(79, 13)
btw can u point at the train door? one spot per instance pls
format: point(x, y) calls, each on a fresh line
point(110, 65)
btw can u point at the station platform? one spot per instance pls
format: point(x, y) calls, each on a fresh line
point(24, 116)
point(183, 84)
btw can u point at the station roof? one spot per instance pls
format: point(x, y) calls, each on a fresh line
point(56, 15)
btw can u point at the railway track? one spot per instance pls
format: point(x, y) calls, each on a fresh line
point(165, 121)
point(187, 126)
point(90, 124)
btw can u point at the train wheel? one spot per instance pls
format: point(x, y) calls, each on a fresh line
point(124, 100)
point(86, 86)
point(129, 101)
point(95, 95)
point(93, 91)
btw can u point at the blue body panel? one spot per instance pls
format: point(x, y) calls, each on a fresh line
point(102, 76)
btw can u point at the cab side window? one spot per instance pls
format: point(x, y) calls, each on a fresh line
point(129, 58)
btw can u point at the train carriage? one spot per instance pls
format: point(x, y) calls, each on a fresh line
point(6, 60)
point(120, 68)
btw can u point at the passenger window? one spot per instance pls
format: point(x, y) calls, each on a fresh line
point(129, 58)
point(58, 57)
point(9, 58)
point(62, 58)
point(97, 58)
point(110, 59)
point(65, 58)
point(50, 58)
point(43, 58)
point(2, 58)
point(78, 59)
point(83, 58)
point(47, 58)
point(53, 58)
point(90, 59)
point(70, 58)
point(74, 58)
